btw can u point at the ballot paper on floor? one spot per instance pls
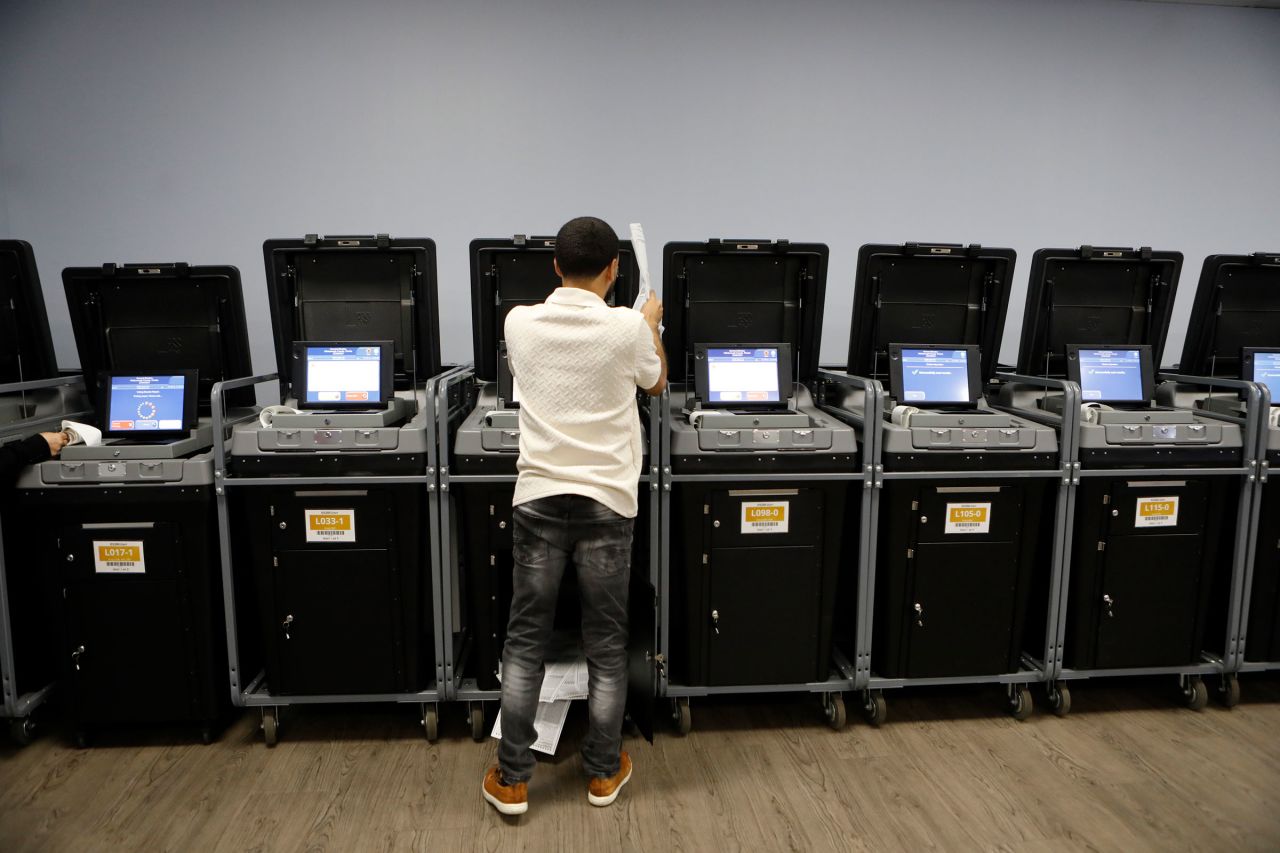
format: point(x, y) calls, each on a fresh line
point(566, 678)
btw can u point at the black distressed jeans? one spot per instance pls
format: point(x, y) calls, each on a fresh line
point(547, 533)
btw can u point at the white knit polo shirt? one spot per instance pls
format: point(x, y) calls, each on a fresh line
point(578, 363)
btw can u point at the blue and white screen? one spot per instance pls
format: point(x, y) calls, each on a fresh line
point(1266, 371)
point(935, 376)
point(746, 375)
point(1111, 374)
point(344, 374)
point(146, 403)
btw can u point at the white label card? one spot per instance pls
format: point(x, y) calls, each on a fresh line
point(117, 557)
point(766, 516)
point(1156, 512)
point(331, 525)
point(968, 518)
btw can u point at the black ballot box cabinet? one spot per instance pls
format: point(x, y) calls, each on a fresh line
point(341, 614)
point(134, 575)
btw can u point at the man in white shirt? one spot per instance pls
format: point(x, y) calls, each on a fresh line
point(578, 363)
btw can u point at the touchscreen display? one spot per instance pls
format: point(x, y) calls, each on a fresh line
point(1266, 371)
point(935, 376)
point(742, 375)
point(344, 374)
point(1111, 375)
point(146, 403)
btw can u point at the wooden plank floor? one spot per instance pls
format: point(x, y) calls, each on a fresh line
point(1128, 770)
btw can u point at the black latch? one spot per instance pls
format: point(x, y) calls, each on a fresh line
point(1086, 252)
point(1145, 253)
point(384, 241)
point(108, 269)
point(973, 250)
point(311, 240)
point(782, 246)
point(519, 241)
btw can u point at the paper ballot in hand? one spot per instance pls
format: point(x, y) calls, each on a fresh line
point(642, 260)
point(82, 433)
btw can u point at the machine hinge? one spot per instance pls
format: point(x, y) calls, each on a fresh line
point(1102, 546)
point(493, 559)
point(706, 509)
point(915, 505)
point(911, 553)
point(491, 509)
point(705, 559)
point(272, 510)
point(1106, 499)
point(275, 562)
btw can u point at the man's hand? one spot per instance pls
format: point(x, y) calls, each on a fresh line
point(57, 441)
point(652, 310)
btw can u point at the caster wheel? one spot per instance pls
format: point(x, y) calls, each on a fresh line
point(206, 736)
point(682, 716)
point(1229, 691)
point(431, 722)
point(1195, 694)
point(22, 731)
point(270, 727)
point(874, 708)
point(835, 711)
point(1060, 699)
point(1020, 704)
point(82, 740)
point(477, 721)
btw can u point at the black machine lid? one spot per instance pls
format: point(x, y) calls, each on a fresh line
point(155, 318)
point(1095, 295)
point(743, 292)
point(1237, 305)
point(928, 293)
point(26, 347)
point(358, 288)
point(511, 271)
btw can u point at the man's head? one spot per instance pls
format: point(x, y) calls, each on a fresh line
point(587, 254)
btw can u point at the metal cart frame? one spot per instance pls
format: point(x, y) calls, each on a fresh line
point(462, 689)
point(1033, 670)
point(843, 673)
point(248, 690)
point(1238, 664)
point(1190, 676)
point(16, 707)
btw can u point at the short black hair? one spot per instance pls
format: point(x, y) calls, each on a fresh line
point(585, 246)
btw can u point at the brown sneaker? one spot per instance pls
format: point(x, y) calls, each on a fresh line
point(508, 799)
point(602, 792)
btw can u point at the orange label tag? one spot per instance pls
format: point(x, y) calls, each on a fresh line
point(118, 557)
point(968, 518)
point(1156, 512)
point(331, 525)
point(765, 516)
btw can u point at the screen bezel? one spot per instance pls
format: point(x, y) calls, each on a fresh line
point(1247, 368)
point(386, 373)
point(973, 355)
point(702, 384)
point(190, 395)
point(1144, 362)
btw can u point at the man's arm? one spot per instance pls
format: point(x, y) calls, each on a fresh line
point(652, 311)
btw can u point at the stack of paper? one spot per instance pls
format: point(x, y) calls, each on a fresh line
point(564, 681)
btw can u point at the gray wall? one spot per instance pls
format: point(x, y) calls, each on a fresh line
point(154, 131)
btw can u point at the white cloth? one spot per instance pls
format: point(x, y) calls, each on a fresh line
point(579, 363)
